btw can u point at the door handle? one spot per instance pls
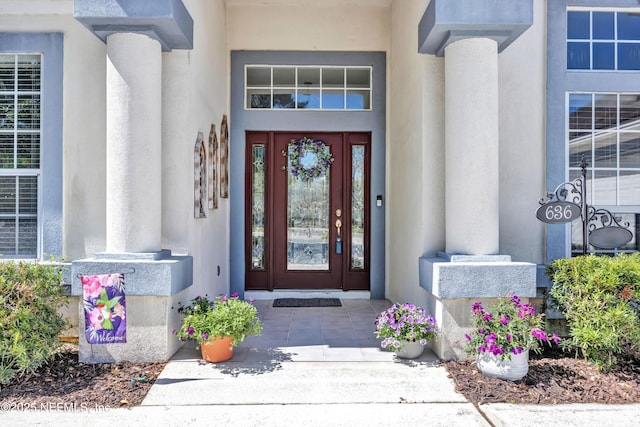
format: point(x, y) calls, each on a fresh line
point(339, 236)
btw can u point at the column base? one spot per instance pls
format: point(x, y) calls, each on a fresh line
point(154, 283)
point(454, 282)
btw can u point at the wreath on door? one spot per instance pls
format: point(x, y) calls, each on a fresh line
point(309, 158)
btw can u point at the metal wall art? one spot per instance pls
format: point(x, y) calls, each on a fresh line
point(200, 178)
point(224, 158)
point(212, 158)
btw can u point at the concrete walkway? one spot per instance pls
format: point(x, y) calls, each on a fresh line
point(318, 367)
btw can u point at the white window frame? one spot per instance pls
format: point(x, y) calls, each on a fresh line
point(300, 87)
point(24, 172)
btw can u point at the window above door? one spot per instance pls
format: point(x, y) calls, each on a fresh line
point(333, 88)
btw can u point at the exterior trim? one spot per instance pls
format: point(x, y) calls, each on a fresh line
point(50, 45)
point(280, 120)
point(166, 21)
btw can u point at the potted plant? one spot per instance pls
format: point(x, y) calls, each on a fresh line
point(503, 336)
point(218, 324)
point(406, 329)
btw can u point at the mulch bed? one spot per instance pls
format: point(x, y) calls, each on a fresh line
point(64, 383)
point(553, 378)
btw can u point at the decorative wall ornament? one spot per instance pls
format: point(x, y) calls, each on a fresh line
point(308, 158)
point(200, 178)
point(224, 158)
point(212, 158)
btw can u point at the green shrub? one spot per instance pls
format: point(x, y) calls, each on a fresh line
point(598, 296)
point(30, 324)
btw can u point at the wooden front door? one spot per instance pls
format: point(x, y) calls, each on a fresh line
point(307, 210)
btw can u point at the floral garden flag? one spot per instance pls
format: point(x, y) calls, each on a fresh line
point(104, 308)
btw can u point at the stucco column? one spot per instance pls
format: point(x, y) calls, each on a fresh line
point(134, 112)
point(471, 147)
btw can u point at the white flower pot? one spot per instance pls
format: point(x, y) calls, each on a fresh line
point(512, 370)
point(410, 349)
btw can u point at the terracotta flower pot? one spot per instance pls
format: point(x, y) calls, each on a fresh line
point(217, 349)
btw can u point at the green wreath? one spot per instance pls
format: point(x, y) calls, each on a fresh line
point(308, 159)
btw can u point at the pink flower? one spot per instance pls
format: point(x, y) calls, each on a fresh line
point(96, 317)
point(91, 286)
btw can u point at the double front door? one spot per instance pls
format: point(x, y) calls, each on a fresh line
point(307, 210)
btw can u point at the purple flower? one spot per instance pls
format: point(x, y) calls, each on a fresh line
point(516, 350)
point(173, 332)
point(539, 334)
point(251, 300)
point(504, 320)
point(509, 337)
point(477, 308)
point(191, 330)
point(223, 298)
point(555, 338)
point(482, 349)
point(234, 295)
point(491, 338)
point(481, 331)
point(487, 317)
point(205, 336)
point(515, 300)
point(468, 337)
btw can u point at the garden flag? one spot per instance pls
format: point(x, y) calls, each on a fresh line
point(104, 308)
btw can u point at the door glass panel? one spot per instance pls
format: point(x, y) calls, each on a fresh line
point(307, 218)
point(257, 209)
point(357, 207)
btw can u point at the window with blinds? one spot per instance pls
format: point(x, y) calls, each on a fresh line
point(20, 136)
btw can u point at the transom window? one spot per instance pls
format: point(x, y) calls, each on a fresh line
point(307, 87)
point(603, 40)
point(20, 135)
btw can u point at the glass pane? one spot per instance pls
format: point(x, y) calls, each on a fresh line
point(308, 219)
point(333, 77)
point(28, 150)
point(580, 111)
point(630, 187)
point(308, 77)
point(578, 25)
point(606, 111)
point(7, 236)
point(628, 26)
point(628, 56)
point(333, 99)
point(284, 98)
point(578, 56)
point(606, 150)
point(603, 56)
point(579, 145)
point(258, 76)
point(28, 195)
point(603, 26)
point(630, 112)
point(8, 191)
point(309, 98)
point(6, 151)
point(359, 78)
point(604, 188)
point(7, 111)
point(28, 111)
point(284, 76)
point(29, 73)
point(27, 237)
point(357, 207)
point(358, 100)
point(257, 208)
point(7, 72)
point(258, 98)
point(630, 151)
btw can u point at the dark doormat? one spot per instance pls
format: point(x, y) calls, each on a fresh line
point(307, 302)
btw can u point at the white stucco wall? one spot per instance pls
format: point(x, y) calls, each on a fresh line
point(308, 26)
point(415, 154)
point(195, 89)
point(522, 88)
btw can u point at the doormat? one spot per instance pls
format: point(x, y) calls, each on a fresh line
point(307, 302)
